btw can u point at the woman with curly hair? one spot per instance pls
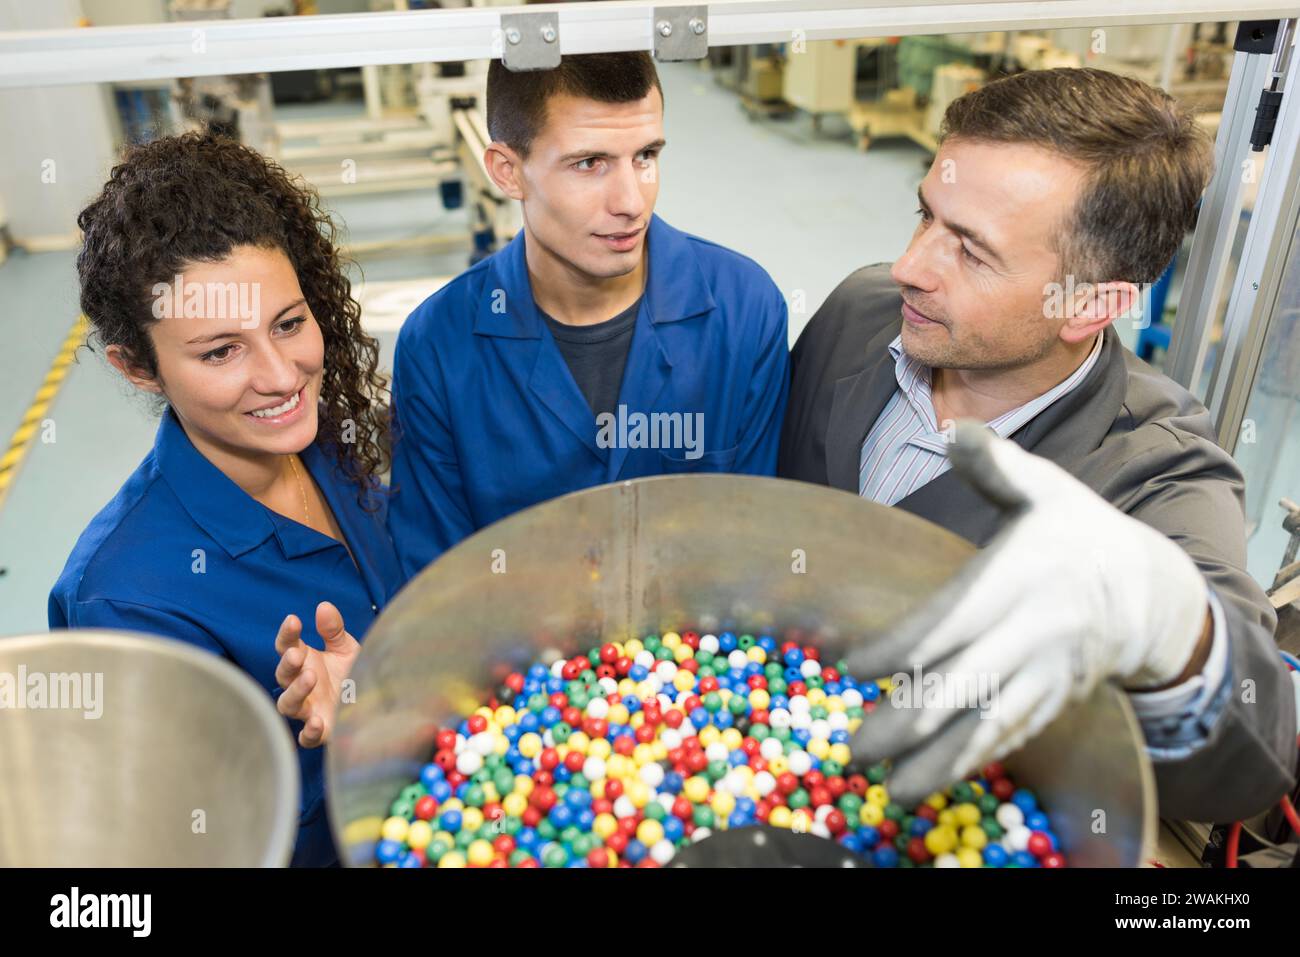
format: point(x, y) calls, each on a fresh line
point(212, 283)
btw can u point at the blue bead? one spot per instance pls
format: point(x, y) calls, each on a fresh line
point(995, 855)
point(753, 669)
point(832, 687)
point(450, 821)
point(673, 828)
point(868, 835)
point(737, 758)
point(577, 798)
point(870, 691)
point(561, 773)
point(585, 819)
point(801, 735)
point(839, 737)
point(793, 658)
point(512, 755)
point(524, 766)
point(409, 860)
point(632, 703)
point(1024, 800)
point(561, 815)
point(440, 791)
point(699, 717)
point(538, 671)
point(672, 783)
point(792, 675)
point(746, 805)
point(635, 851)
point(778, 701)
point(430, 775)
point(526, 838)
point(512, 733)
point(726, 642)
point(554, 683)
point(736, 819)
point(529, 722)
point(920, 825)
point(463, 728)
point(885, 857)
point(850, 842)
point(1025, 859)
point(550, 715)
point(388, 851)
point(462, 789)
point(767, 643)
point(577, 862)
point(1037, 821)
point(638, 672)
point(723, 719)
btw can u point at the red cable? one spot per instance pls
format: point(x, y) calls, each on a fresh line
point(1234, 835)
point(1289, 810)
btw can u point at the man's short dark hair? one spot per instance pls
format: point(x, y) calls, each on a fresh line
point(516, 102)
point(1147, 162)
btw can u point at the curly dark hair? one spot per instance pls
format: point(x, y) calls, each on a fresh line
point(192, 198)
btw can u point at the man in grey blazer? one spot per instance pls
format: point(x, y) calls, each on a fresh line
point(1116, 550)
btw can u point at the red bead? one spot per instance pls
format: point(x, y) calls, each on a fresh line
point(426, 808)
point(596, 727)
point(858, 784)
point(691, 639)
point(788, 647)
point(628, 825)
point(708, 684)
point(1053, 860)
point(608, 654)
point(613, 789)
point(529, 862)
point(927, 812)
point(445, 740)
point(572, 669)
point(543, 799)
point(830, 674)
point(606, 671)
point(445, 759)
point(492, 810)
point(623, 666)
point(691, 665)
point(543, 779)
point(649, 863)
point(749, 746)
point(574, 761)
point(455, 779)
point(994, 770)
point(691, 703)
point(673, 718)
point(697, 761)
point(762, 810)
point(810, 652)
point(888, 829)
point(644, 734)
point(796, 688)
point(515, 682)
point(759, 716)
point(598, 857)
point(602, 805)
point(571, 716)
point(787, 783)
point(692, 743)
point(682, 808)
point(617, 842)
point(819, 796)
point(559, 700)
point(419, 856)
point(624, 744)
point(549, 759)
point(504, 844)
point(756, 682)
point(1002, 789)
point(1040, 845)
point(835, 821)
point(916, 850)
point(531, 816)
point(757, 763)
point(499, 862)
point(837, 786)
point(813, 779)
point(477, 724)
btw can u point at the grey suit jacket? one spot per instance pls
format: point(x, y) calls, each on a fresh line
point(1142, 443)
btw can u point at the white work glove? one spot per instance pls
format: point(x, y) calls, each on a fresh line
point(1072, 591)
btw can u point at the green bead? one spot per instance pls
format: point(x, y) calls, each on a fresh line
point(832, 769)
point(582, 844)
point(594, 656)
point(413, 792)
point(777, 686)
point(818, 712)
point(842, 667)
point(850, 804)
point(712, 701)
point(876, 774)
point(555, 856)
point(504, 781)
point(906, 825)
point(494, 761)
point(773, 670)
point(814, 681)
point(781, 734)
point(573, 687)
point(759, 732)
point(435, 849)
point(538, 703)
point(512, 825)
point(651, 643)
point(961, 792)
point(546, 830)
point(706, 671)
point(894, 811)
point(570, 834)
point(518, 856)
point(481, 776)
point(400, 808)
point(900, 842)
point(745, 642)
point(992, 828)
point(665, 653)
point(855, 711)
point(579, 700)
point(904, 860)
point(588, 676)
point(987, 803)
point(798, 798)
point(474, 796)
point(738, 704)
point(560, 732)
point(703, 657)
point(717, 770)
point(579, 781)
point(702, 815)
point(654, 811)
point(790, 746)
point(465, 838)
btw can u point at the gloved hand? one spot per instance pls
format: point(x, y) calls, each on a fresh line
point(1072, 591)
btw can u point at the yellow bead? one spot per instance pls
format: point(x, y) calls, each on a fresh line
point(600, 748)
point(871, 814)
point(504, 716)
point(969, 857)
point(617, 714)
point(974, 836)
point(757, 653)
point(485, 711)
point(967, 814)
point(938, 800)
point(724, 802)
point(633, 648)
point(744, 772)
point(499, 744)
point(940, 840)
point(683, 652)
point(394, 829)
point(625, 687)
point(976, 788)
point(835, 703)
point(801, 821)
point(453, 859)
point(515, 804)
point(644, 689)
point(597, 788)
point(471, 819)
point(490, 794)
point(530, 744)
point(418, 835)
point(451, 804)
point(638, 792)
point(815, 696)
point(778, 765)
point(696, 789)
point(780, 817)
point(578, 741)
point(759, 698)
point(563, 751)
point(948, 818)
point(604, 825)
point(683, 681)
point(733, 739)
point(480, 853)
point(819, 748)
point(524, 785)
point(637, 719)
point(658, 750)
point(708, 735)
point(841, 754)
point(876, 794)
point(643, 754)
point(671, 640)
point(649, 832)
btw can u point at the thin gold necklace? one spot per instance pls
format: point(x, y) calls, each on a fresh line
point(305, 511)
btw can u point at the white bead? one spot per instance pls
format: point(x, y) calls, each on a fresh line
point(820, 728)
point(735, 783)
point(778, 718)
point(799, 705)
point(593, 769)
point(717, 751)
point(1018, 838)
point(699, 834)
point(663, 851)
point(1009, 815)
point(771, 749)
point(461, 743)
point(709, 643)
point(671, 737)
point(665, 701)
point(608, 685)
point(851, 697)
point(666, 801)
point(820, 829)
point(821, 813)
point(947, 860)
point(799, 763)
point(623, 806)
point(469, 762)
point(839, 721)
point(645, 659)
point(548, 739)
point(652, 774)
point(482, 744)
point(665, 670)
point(764, 783)
point(801, 721)
point(557, 668)
point(737, 659)
point(598, 708)
point(687, 729)
point(810, 668)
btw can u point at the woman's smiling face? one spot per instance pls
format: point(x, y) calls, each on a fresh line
point(240, 356)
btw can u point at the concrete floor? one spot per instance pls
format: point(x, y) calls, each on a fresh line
point(809, 210)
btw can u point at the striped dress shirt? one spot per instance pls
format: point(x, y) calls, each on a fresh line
point(905, 448)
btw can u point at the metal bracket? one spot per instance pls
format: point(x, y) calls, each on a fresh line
point(680, 33)
point(530, 41)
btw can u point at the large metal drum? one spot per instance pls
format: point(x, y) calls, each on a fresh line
point(708, 552)
point(135, 751)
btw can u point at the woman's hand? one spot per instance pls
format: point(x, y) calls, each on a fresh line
point(313, 680)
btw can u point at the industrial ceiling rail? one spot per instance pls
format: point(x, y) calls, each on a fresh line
point(202, 48)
